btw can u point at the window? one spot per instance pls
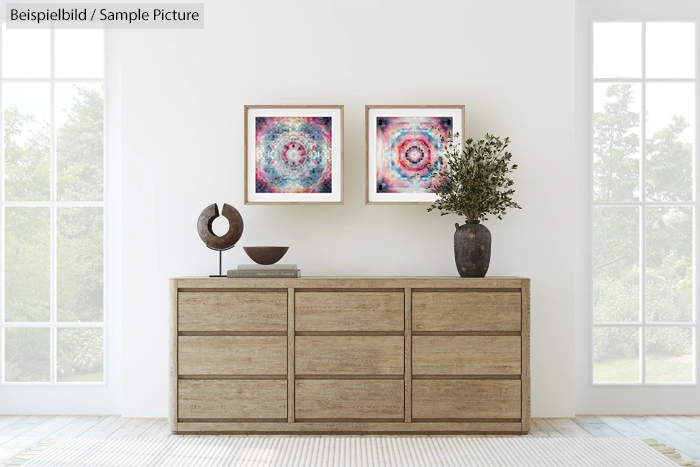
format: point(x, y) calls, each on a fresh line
point(644, 203)
point(52, 311)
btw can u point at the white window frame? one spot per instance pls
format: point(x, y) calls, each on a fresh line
point(642, 397)
point(77, 397)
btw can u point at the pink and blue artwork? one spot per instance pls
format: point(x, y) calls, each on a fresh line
point(293, 155)
point(407, 149)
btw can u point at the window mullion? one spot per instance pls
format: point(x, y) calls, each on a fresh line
point(643, 212)
point(2, 223)
point(696, 231)
point(52, 217)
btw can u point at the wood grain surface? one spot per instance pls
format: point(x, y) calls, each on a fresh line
point(466, 355)
point(172, 370)
point(232, 399)
point(349, 399)
point(349, 311)
point(403, 355)
point(232, 355)
point(350, 283)
point(347, 355)
point(526, 356)
point(452, 399)
point(232, 311)
point(466, 311)
point(494, 427)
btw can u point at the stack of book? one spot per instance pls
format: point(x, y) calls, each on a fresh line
point(261, 270)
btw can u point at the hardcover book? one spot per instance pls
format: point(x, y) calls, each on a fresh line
point(274, 273)
point(266, 266)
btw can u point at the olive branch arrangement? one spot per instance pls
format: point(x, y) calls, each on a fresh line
point(473, 182)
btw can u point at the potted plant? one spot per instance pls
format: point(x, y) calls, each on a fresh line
point(473, 182)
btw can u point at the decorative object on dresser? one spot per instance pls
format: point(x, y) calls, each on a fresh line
point(267, 272)
point(350, 355)
point(213, 241)
point(472, 181)
point(266, 254)
point(293, 154)
point(402, 143)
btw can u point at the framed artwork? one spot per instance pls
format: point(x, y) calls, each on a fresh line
point(402, 144)
point(293, 154)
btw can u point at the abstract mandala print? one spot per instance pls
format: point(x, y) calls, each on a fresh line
point(293, 155)
point(407, 149)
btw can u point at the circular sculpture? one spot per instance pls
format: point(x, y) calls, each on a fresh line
point(229, 239)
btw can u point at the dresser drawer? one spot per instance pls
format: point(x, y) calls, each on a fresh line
point(232, 355)
point(198, 399)
point(232, 311)
point(349, 399)
point(466, 311)
point(451, 399)
point(349, 355)
point(466, 355)
point(349, 311)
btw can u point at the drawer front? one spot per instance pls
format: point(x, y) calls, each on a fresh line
point(466, 355)
point(349, 311)
point(232, 355)
point(451, 399)
point(349, 399)
point(349, 355)
point(466, 311)
point(232, 399)
point(232, 311)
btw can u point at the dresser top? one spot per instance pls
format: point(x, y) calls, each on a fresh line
point(352, 282)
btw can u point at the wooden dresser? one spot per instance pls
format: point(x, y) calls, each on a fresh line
point(350, 355)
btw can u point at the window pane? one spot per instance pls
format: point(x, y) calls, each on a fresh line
point(669, 355)
point(617, 50)
point(670, 50)
point(26, 53)
point(80, 356)
point(26, 141)
point(615, 264)
point(27, 264)
point(616, 355)
point(79, 247)
point(79, 142)
point(670, 141)
point(27, 354)
point(669, 265)
point(79, 53)
point(616, 148)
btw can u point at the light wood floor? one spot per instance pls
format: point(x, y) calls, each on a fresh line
point(18, 433)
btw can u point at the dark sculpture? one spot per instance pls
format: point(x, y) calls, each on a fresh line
point(213, 241)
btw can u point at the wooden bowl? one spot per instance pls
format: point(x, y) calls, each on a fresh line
point(265, 254)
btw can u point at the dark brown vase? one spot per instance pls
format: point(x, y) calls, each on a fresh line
point(472, 249)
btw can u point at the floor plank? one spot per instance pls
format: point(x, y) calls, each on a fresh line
point(106, 427)
point(624, 427)
point(32, 436)
point(160, 429)
point(20, 426)
point(134, 428)
point(6, 420)
point(542, 429)
point(79, 426)
point(597, 428)
point(569, 428)
point(661, 432)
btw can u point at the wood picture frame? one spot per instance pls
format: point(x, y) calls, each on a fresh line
point(293, 154)
point(401, 141)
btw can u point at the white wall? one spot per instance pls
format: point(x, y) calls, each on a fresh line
point(510, 63)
